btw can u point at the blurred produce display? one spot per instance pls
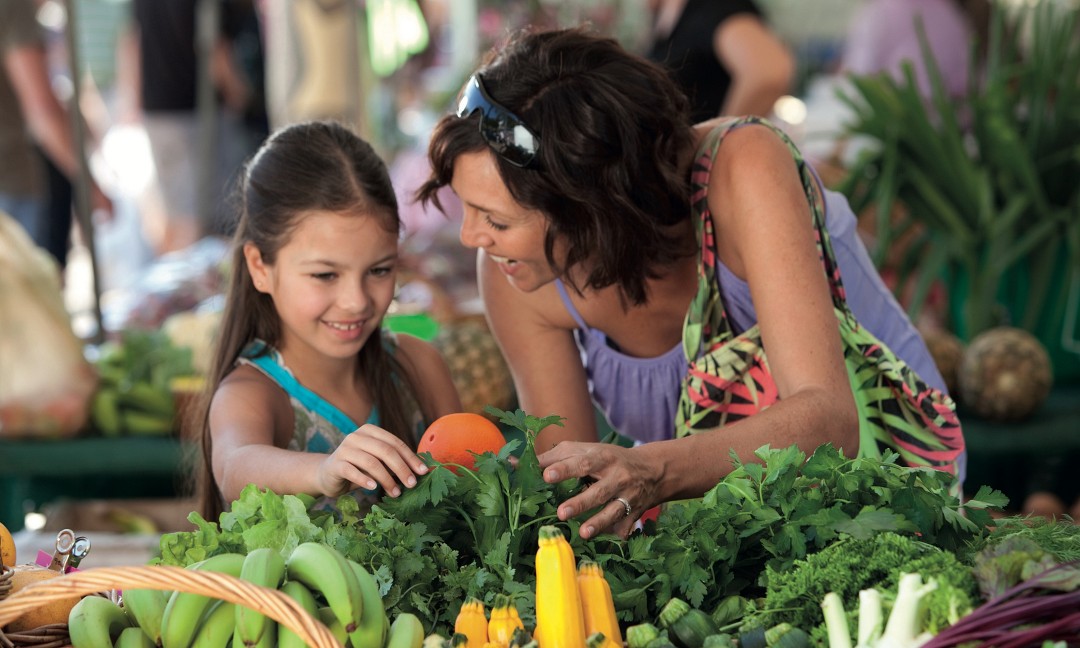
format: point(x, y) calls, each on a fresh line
point(45, 381)
point(1004, 374)
point(986, 185)
point(137, 373)
point(173, 283)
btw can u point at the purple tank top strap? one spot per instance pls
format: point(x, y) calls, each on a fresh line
point(565, 296)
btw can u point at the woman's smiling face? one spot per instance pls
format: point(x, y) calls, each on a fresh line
point(331, 283)
point(509, 234)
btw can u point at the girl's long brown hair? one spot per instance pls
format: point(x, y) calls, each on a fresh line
point(303, 167)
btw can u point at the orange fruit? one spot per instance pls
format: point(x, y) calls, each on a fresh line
point(451, 439)
point(7, 547)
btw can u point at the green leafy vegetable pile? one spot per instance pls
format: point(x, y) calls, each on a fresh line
point(474, 533)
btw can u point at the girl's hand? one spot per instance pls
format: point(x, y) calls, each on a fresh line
point(368, 458)
point(615, 472)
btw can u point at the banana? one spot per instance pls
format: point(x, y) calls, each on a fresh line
point(263, 566)
point(145, 397)
point(146, 423)
point(146, 609)
point(330, 620)
point(373, 626)
point(323, 569)
point(185, 610)
point(133, 638)
point(216, 630)
point(302, 595)
point(95, 621)
point(405, 632)
point(105, 413)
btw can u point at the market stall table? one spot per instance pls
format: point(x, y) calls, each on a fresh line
point(36, 472)
point(1039, 453)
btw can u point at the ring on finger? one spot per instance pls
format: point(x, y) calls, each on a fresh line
point(625, 503)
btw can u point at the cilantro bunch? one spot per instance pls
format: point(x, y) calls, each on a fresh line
point(771, 512)
point(491, 517)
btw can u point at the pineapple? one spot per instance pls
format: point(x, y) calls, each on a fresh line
point(476, 364)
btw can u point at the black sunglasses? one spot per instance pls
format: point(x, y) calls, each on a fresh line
point(504, 131)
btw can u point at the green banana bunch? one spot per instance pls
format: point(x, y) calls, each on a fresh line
point(330, 620)
point(374, 624)
point(218, 627)
point(105, 411)
point(95, 621)
point(185, 610)
point(133, 638)
point(134, 396)
point(406, 632)
point(136, 408)
point(146, 609)
point(323, 569)
point(265, 567)
point(302, 595)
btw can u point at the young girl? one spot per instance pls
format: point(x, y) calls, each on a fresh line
point(307, 394)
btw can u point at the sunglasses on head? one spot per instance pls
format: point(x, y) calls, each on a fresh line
point(503, 131)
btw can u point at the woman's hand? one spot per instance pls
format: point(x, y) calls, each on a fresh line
point(367, 458)
point(623, 485)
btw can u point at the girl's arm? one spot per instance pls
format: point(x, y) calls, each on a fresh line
point(765, 236)
point(543, 358)
point(251, 423)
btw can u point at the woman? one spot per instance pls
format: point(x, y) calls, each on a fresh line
point(581, 180)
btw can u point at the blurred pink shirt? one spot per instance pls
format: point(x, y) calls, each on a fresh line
point(882, 35)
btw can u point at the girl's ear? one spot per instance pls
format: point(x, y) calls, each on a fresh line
point(260, 274)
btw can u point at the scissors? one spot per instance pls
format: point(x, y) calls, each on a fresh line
point(78, 552)
point(65, 542)
point(70, 551)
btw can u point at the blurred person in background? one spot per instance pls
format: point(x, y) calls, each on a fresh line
point(31, 115)
point(883, 35)
point(722, 54)
point(158, 80)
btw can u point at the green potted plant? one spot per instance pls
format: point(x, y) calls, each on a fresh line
point(990, 184)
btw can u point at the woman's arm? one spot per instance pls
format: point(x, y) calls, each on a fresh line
point(543, 358)
point(760, 65)
point(765, 236)
point(46, 119)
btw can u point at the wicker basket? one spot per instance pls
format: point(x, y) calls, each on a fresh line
point(272, 603)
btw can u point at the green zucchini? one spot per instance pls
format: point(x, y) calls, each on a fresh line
point(687, 627)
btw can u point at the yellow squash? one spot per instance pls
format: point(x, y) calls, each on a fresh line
point(472, 623)
point(597, 604)
point(560, 622)
point(504, 620)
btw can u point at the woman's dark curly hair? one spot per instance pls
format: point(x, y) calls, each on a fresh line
point(613, 128)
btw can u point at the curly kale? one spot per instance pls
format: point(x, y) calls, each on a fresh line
point(850, 565)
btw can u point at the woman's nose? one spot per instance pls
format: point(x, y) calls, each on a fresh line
point(472, 235)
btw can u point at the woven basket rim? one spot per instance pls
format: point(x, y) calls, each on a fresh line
point(273, 603)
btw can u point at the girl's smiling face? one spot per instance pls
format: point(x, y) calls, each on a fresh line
point(331, 283)
point(511, 235)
